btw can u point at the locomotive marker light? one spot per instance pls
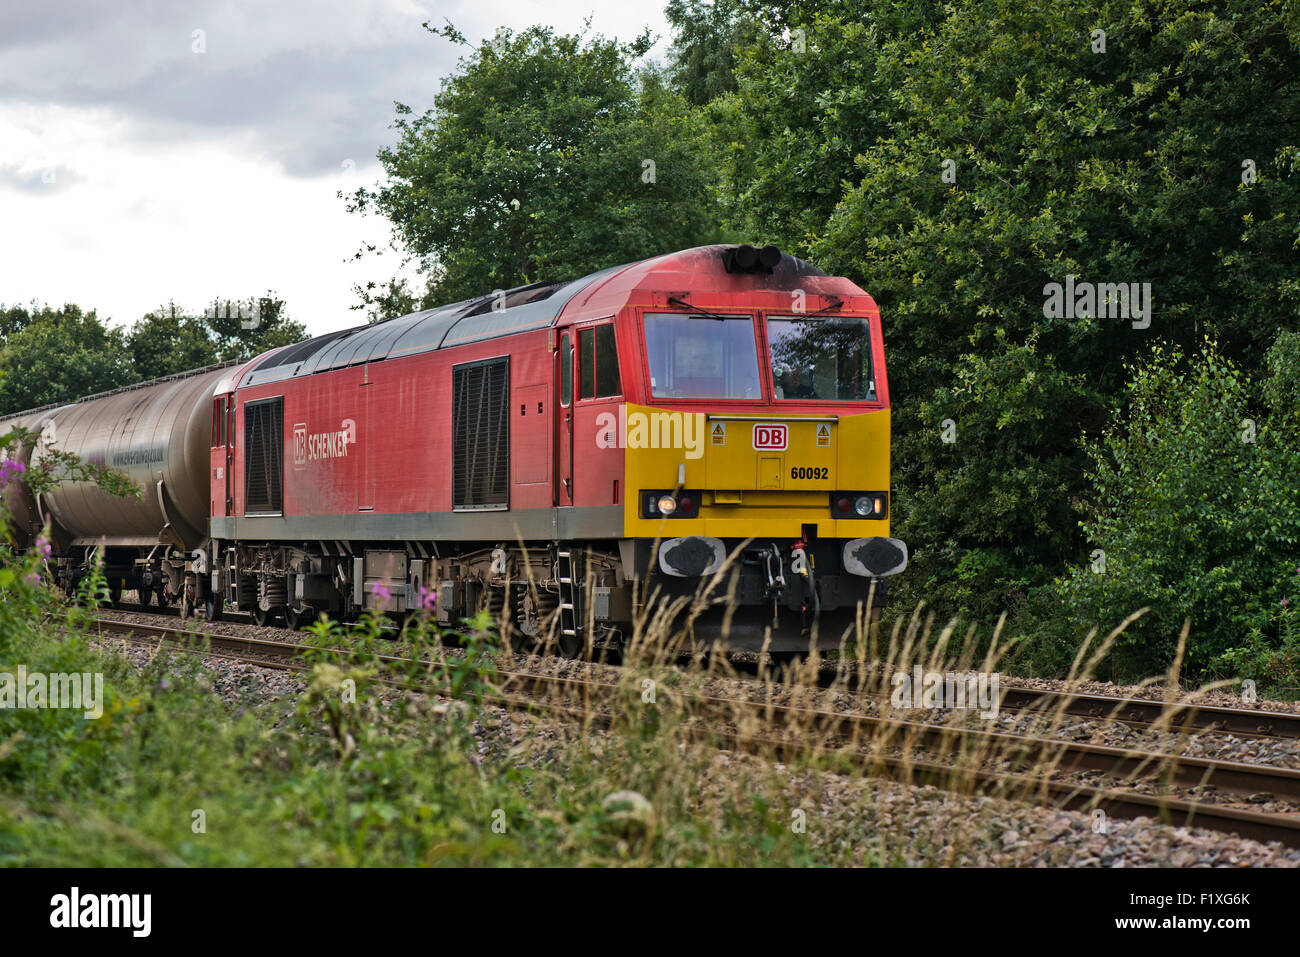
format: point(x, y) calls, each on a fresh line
point(677, 503)
point(855, 505)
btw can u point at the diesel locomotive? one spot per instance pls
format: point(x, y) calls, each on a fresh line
point(565, 455)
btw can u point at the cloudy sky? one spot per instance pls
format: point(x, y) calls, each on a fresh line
point(142, 161)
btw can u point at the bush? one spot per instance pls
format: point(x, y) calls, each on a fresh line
point(1193, 512)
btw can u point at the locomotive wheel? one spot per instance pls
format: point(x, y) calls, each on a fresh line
point(212, 607)
point(164, 596)
point(569, 646)
point(261, 618)
point(144, 595)
point(299, 619)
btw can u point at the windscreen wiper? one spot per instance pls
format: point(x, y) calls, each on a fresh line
point(674, 301)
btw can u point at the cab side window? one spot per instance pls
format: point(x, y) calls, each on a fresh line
point(566, 370)
point(598, 360)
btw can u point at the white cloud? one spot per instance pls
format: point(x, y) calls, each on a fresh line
point(124, 183)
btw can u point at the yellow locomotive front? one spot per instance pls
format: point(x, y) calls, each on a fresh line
point(761, 451)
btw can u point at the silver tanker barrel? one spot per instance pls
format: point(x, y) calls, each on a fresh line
point(19, 502)
point(158, 434)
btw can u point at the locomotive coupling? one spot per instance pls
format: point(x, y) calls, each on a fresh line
point(875, 557)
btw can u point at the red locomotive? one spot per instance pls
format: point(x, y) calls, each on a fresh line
point(562, 454)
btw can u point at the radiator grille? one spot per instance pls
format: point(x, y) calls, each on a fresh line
point(480, 393)
point(264, 456)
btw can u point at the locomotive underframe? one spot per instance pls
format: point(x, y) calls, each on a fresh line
point(541, 591)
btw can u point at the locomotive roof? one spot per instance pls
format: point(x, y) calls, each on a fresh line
point(536, 306)
point(526, 308)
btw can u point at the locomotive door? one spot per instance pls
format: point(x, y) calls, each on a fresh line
point(563, 471)
point(230, 456)
point(222, 461)
point(366, 479)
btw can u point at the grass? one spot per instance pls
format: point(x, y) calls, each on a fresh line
point(364, 767)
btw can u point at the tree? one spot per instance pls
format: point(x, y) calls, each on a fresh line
point(702, 60)
point(244, 328)
point(1192, 510)
point(544, 157)
point(955, 161)
point(58, 355)
point(394, 298)
point(167, 341)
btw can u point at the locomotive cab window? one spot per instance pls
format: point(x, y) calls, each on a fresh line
point(702, 357)
point(598, 363)
point(566, 370)
point(815, 358)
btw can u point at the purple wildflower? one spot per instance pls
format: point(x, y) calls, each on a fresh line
point(428, 599)
point(9, 470)
point(380, 592)
point(1284, 603)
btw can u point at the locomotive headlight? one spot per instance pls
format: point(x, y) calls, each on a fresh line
point(863, 506)
point(667, 505)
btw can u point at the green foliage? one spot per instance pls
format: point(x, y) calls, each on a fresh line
point(1004, 470)
point(167, 341)
point(1122, 166)
point(246, 328)
point(392, 299)
point(56, 355)
point(52, 355)
point(706, 33)
point(1194, 512)
point(534, 163)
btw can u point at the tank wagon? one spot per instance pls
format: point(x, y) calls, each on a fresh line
point(558, 454)
point(157, 434)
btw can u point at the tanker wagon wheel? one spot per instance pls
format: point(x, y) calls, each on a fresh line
point(187, 600)
point(115, 594)
point(144, 594)
point(212, 606)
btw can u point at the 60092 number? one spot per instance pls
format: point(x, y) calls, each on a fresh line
point(809, 472)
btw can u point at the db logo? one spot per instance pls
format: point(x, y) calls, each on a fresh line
point(771, 437)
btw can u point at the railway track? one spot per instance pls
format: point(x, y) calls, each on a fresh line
point(1146, 713)
point(993, 763)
